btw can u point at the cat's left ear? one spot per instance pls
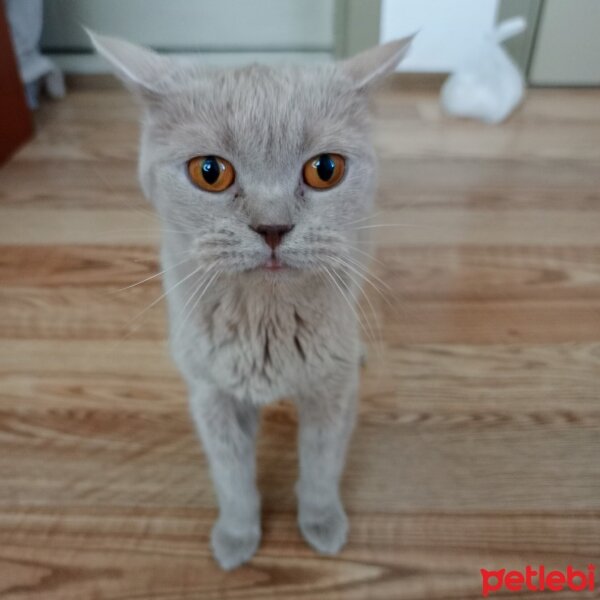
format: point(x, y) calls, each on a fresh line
point(370, 66)
point(140, 69)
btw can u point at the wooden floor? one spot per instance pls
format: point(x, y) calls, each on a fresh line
point(478, 444)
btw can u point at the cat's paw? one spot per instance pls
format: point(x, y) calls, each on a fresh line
point(325, 530)
point(232, 549)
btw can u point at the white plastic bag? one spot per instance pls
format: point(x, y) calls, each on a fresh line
point(489, 85)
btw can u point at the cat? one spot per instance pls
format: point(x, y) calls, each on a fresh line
point(261, 176)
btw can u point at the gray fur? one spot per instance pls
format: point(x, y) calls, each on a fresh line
point(242, 336)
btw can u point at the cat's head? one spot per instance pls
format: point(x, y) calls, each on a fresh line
point(257, 168)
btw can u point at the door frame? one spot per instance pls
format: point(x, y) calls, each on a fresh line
point(521, 47)
point(357, 26)
point(358, 23)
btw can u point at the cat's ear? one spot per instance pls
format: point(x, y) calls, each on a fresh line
point(370, 66)
point(141, 69)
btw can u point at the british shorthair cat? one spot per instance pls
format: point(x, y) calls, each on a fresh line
point(260, 175)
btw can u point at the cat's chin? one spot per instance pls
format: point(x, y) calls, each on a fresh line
point(274, 270)
point(274, 264)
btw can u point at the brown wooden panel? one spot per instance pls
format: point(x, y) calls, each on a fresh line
point(15, 119)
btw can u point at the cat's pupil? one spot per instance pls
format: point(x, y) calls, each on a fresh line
point(325, 167)
point(211, 169)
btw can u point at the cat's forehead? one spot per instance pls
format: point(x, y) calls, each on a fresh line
point(278, 89)
point(266, 110)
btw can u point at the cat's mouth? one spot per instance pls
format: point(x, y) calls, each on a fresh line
point(274, 264)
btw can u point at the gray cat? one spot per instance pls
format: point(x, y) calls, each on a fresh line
point(262, 177)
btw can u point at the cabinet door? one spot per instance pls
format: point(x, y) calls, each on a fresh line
point(15, 118)
point(567, 49)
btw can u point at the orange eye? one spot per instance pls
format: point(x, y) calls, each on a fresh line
point(211, 173)
point(324, 171)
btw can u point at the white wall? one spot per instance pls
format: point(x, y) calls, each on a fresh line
point(446, 29)
point(567, 48)
point(222, 25)
point(221, 31)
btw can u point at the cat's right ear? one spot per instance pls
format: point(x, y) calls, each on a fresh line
point(140, 69)
point(371, 66)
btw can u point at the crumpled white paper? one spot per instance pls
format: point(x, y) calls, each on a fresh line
point(488, 86)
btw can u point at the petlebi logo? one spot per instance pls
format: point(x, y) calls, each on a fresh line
point(538, 580)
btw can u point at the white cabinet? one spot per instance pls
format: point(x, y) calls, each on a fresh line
point(567, 49)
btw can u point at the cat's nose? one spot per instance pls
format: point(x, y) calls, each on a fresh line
point(272, 234)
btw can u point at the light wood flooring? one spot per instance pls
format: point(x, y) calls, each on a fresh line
point(478, 443)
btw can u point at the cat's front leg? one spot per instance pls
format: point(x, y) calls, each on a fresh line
point(228, 431)
point(326, 423)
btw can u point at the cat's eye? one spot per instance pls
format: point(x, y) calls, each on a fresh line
point(211, 173)
point(324, 171)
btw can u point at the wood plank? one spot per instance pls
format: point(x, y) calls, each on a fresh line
point(479, 421)
point(479, 294)
point(55, 266)
point(41, 226)
point(435, 377)
point(416, 227)
point(71, 184)
point(520, 139)
point(162, 554)
point(101, 314)
point(122, 448)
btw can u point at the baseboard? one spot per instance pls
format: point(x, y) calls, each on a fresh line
point(415, 81)
point(92, 64)
point(398, 81)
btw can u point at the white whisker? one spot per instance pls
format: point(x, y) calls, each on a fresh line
point(366, 279)
point(151, 277)
point(348, 301)
point(369, 256)
point(155, 302)
point(371, 334)
point(201, 286)
point(358, 264)
point(383, 225)
point(373, 216)
point(141, 231)
point(368, 299)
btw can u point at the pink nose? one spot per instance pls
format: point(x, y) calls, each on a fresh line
point(273, 234)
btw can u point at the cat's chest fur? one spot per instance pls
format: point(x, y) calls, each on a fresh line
point(262, 345)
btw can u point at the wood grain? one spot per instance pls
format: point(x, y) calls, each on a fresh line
point(479, 429)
